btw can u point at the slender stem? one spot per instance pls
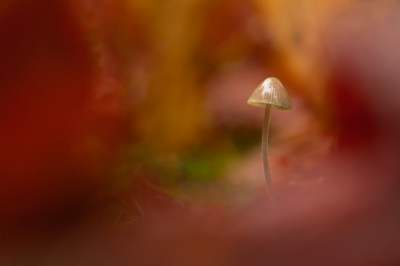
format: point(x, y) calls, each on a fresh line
point(264, 151)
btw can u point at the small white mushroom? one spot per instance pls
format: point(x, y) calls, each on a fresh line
point(269, 94)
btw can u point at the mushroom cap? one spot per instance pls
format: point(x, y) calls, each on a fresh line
point(271, 91)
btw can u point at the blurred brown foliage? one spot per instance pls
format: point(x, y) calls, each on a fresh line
point(134, 113)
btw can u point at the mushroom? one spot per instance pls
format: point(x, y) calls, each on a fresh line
point(269, 94)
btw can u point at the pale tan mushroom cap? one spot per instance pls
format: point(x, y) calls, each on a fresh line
point(272, 92)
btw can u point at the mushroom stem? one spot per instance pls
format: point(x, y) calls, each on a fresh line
point(264, 151)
